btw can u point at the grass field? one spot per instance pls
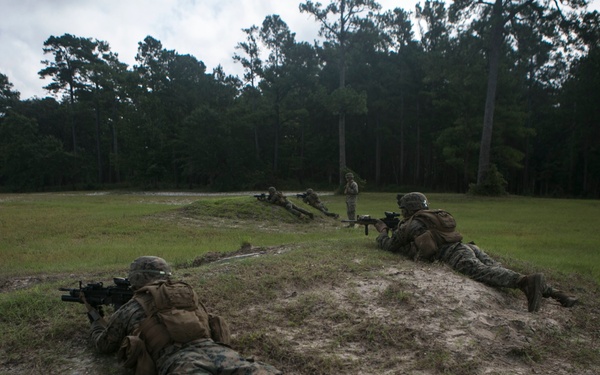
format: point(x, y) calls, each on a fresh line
point(53, 240)
point(45, 233)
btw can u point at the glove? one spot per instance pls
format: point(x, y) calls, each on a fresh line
point(381, 227)
point(93, 314)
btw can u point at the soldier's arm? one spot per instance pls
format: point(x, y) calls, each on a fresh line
point(402, 239)
point(107, 338)
point(352, 188)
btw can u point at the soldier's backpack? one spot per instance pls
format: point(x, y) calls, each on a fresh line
point(173, 316)
point(441, 230)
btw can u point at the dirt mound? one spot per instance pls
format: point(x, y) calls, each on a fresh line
point(442, 322)
point(419, 318)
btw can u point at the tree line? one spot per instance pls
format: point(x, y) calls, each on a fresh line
point(472, 96)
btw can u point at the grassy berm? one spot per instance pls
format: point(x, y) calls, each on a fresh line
point(329, 305)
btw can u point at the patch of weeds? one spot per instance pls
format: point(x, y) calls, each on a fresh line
point(585, 354)
point(433, 359)
point(553, 342)
point(305, 306)
point(375, 333)
point(338, 315)
point(285, 355)
point(528, 353)
point(393, 295)
point(501, 331)
point(443, 362)
point(354, 297)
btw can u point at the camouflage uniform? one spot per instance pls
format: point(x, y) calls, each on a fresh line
point(312, 199)
point(199, 356)
point(277, 197)
point(446, 246)
point(351, 191)
point(467, 259)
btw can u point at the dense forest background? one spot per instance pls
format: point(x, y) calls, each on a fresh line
point(406, 100)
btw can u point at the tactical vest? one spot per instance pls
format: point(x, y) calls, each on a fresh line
point(441, 230)
point(174, 316)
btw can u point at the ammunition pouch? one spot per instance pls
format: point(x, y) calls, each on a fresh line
point(133, 354)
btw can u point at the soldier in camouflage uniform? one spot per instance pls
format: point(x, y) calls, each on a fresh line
point(351, 191)
point(311, 198)
point(277, 197)
point(431, 235)
point(164, 329)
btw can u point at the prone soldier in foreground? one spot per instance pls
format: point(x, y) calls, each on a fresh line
point(431, 235)
point(164, 328)
point(311, 198)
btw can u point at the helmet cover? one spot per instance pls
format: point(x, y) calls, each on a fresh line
point(413, 201)
point(146, 269)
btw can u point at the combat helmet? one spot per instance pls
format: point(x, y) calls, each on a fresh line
point(413, 201)
point(272, 190)
point(146, 269)
point(309, 191)
point(349, 175)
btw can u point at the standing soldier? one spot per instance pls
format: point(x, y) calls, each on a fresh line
point(351, 191)
point(311, 198)
point(277, 197)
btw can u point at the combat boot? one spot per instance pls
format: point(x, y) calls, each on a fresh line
point(561, 297)
point(532, 285)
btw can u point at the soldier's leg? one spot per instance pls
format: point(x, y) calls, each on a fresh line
point(564, 299)
point(302, 210)
point(481, 255)
point(230, 362)
point(290, 207)
point(351, 210)
point(465, 261)
point(324, 210)
point(190, 359)
point(547, 291)
point(206, 356)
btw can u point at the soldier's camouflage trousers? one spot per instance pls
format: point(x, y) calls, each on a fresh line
point(206, 357)
point(471, 261)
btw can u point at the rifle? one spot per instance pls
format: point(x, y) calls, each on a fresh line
point(260, 197)
point(97, 295)
point(391, 220)
point(301, 195)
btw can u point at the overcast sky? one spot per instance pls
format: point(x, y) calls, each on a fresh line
point(207, 29)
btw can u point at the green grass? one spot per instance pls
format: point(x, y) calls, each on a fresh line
point(53, 233)
point(53, 240)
